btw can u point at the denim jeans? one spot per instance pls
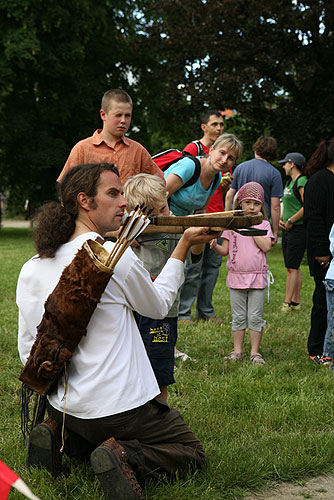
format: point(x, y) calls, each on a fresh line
point(199, 282)
point(329, 337)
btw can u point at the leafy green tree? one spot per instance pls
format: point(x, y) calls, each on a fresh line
point(272, 61)
point(56, 61)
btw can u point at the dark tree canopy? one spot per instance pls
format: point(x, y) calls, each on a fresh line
point(57, 59)
point(273, 62)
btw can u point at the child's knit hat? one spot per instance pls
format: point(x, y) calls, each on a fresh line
point(251, 191)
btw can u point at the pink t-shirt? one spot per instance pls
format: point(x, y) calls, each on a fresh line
point(246, 262)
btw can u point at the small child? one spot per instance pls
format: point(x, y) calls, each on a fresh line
point(159, 336)
point(329, 285)
point(247, 275)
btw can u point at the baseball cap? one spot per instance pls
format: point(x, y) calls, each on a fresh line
point(296, 158)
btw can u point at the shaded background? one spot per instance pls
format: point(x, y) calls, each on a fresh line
point(271, 62)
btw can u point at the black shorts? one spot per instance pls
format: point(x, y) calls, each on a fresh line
point(293, 246)
point(159, 336)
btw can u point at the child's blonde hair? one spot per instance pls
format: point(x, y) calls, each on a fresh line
point(146, 189)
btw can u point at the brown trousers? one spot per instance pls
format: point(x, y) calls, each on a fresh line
point(154, 435)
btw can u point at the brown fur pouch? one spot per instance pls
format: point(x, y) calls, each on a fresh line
point(67, 312)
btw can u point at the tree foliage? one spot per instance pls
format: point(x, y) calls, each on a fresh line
point(57, 59)
point(273, 62)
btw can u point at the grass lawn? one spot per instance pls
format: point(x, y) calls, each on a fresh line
point(257, 423)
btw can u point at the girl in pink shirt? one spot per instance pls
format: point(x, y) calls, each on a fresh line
point(247, 275)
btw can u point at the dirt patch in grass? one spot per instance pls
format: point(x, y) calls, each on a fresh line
point(317, 488)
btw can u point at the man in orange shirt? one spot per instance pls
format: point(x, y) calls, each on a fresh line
point(110, 145)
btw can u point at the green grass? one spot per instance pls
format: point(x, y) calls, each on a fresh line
point(257, 423)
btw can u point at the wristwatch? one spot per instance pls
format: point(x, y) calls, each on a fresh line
point(290, 221)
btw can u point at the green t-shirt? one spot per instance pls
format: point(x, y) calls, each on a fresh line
point(291, 204)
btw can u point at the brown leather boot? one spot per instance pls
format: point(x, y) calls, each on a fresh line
point(44, 447)
point(118, 481)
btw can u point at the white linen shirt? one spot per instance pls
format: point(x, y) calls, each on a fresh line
point(109, 372)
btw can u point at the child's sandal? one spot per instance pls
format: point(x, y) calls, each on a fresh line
point(234, 356)
point(257, 359)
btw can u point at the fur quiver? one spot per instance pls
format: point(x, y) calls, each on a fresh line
point(67, 312)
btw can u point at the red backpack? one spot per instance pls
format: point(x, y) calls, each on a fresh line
point(166, 158)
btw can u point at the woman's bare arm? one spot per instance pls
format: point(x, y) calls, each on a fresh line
point(173, 184)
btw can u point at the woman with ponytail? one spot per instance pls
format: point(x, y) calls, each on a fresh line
point(55, 222)
point(319, 218)
point(108, 389)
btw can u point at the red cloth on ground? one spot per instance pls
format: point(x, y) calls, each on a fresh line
point(7, 478)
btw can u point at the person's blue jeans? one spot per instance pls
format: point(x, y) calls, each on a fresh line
point(200, 280)
point(329, 337)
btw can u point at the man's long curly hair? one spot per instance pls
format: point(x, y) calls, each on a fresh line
point(55, 222)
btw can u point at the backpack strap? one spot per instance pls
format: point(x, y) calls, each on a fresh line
point(215, 179)
point(197, 171)
point(196, 174)
point(163, 153)
point(296, 190)
point(199, 147)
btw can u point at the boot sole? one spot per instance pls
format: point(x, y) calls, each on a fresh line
point(41, 450)
point(108, 471)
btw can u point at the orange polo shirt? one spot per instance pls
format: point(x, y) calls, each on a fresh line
point(129, 156)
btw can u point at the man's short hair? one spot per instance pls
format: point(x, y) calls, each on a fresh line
point(206, 117)
point(145, 188)
point(117, 95)
point(266, 147)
